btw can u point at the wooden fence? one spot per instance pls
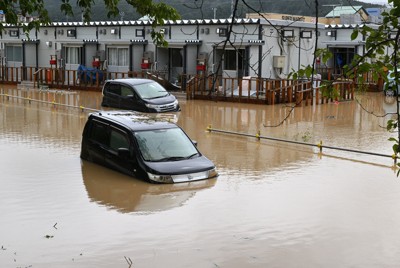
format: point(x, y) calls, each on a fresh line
point(72, 79)
point(267, 91)
point(246, 89)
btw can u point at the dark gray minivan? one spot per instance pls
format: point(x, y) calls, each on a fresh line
point(138, 94)
point(144, 147)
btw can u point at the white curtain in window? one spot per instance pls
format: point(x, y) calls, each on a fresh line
point(123, 55)
point(72, 55)
point(112, 56)
point(17, 53)
point(14, 53)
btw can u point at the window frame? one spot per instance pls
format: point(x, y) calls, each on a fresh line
point(14, 53)
point(118, 56)
point(68, 53)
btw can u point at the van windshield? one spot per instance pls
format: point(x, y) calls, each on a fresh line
point(150, 90)
point(165, 145)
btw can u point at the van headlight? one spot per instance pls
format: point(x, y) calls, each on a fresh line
point(212, 173)
point(160, 178)
point(152, 106)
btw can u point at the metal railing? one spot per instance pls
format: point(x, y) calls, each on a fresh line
point(320, 146)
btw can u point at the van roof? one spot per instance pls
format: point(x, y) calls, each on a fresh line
point(132, 81)
point(137, 121)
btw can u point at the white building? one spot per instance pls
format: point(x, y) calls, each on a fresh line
point(256, 47)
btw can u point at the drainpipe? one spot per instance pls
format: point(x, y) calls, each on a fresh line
point(184, 69)
point(84, 54)
point(37, 56)
point(23, 60)
point(183, 80)
point(131, 57)
point(260, 50)
point(37, 51)
point(298, 64)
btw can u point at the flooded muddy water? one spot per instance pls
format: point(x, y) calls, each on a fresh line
point(275, 204)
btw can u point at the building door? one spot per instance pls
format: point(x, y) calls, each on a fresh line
point(13, 60)
point(342, 56)
point(73, 57)
point(176, 60)
point(232, 65)
point(117, 61)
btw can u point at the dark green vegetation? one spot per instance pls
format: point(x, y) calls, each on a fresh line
point(203, 9)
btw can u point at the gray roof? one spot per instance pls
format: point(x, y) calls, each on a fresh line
point(344, 10)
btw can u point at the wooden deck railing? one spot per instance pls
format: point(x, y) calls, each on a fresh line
point(246, 89)
point(268, 91)
point(60, 78)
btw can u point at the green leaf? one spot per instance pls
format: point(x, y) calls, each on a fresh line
point(354, 35)
point(395, 148)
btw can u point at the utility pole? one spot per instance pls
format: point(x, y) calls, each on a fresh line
point(215, 12)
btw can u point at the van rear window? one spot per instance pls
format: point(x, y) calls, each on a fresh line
point(99, 133)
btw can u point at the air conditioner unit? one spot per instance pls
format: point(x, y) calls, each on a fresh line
point(71, 33)
point(14, 33)
point(114, 31)
point(222, 31)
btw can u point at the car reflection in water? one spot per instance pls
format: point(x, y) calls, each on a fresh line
point(126, 194)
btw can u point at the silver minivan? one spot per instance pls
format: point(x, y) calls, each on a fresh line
point(138, 94)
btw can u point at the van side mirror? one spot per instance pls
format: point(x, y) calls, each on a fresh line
point(133, 96)
point(195, 143)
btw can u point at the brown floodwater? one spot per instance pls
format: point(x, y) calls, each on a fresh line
point(275, 204)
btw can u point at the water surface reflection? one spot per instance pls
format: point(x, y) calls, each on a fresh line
point(273, 205)
point(126, 194)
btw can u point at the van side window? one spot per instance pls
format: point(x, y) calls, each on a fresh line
point(114, 88)
point(118, 139)
point(126, 91)
point(98, 132)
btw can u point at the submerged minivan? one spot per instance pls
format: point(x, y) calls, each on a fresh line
point(389, 87)
point(144, 147)
point(138, 94)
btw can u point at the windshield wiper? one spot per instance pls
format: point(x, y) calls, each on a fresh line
point(175, 158)
point(171, 158)
point(162, 96)
point(190, 156)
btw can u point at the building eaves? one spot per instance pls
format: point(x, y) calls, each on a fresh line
point(213, 21)
point(149, 23)
point(343, 26)
point(166, 22)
